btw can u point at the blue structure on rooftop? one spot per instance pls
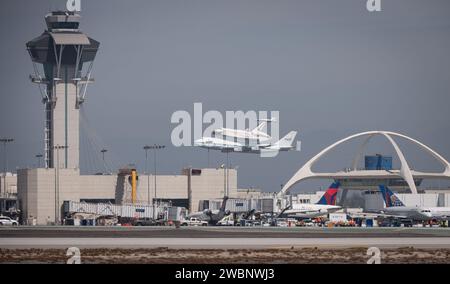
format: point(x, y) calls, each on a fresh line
point(378, 162)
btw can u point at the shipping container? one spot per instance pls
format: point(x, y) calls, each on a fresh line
point(237, 205)
point(136, 211)
point(255, 204)
point(267, 205)
point(338, 217)
point(176, 214)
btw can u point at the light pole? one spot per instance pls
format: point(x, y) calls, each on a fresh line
point(154, 148)
point(57, 148)
point(103, 151)
point(39, 156)
point(146, 148)
point(228, 175)
point(224, 180)
point(5, 141)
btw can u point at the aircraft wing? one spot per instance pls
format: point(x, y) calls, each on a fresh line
point(381, 214)
point(262, 146)
point(294, 211)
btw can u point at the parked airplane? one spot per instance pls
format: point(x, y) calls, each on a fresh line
point(326, 205)
point(255, 134)
point(284, 144)
point(396, 208)
point(439, 213)
point(212, 216)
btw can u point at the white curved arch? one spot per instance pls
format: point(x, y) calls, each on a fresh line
point(405, 170)
point(438, 157)
point(306, 172)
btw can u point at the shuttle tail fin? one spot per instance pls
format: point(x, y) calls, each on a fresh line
point(263, 124)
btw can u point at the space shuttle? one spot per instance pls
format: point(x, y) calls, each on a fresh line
point(255, 134)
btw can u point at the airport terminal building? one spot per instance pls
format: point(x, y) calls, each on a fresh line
point(38, 189)
point(66, 55)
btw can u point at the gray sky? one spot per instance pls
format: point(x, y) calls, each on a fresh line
point(330, 67)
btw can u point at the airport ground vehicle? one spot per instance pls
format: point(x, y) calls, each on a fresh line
point(226, 221)
point(6, 221)
point(194, 222)
point(391, 222)
point(145, 222)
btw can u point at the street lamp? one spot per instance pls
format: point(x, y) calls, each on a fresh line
point(39, 156)
point(57, 148)
point(154, 148)
point(227, 166)
point(103, 151)
point(146, 148)
point(5, 141)
point(224, 179)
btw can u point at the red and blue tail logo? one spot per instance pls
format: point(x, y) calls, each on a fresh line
point(390, 198)
point(329, 198)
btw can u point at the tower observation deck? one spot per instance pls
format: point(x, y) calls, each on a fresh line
point(62, 58)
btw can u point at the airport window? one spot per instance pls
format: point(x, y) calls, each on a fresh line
point(66, 25)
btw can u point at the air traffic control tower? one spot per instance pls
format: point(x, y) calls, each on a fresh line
point(62, 58)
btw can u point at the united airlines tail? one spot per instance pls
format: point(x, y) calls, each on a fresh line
point(329, 198)
point(389, 197)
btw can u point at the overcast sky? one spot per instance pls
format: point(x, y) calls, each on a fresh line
point(331, 68)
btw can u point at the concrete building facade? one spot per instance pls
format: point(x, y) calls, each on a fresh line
point(41, 198)
point(8, 191)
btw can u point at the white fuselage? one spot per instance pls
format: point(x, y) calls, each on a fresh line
point(216, 143)
point(243, 134)
point(230, 146)
point(311, 210)
point(439, 212)
point(415, 213)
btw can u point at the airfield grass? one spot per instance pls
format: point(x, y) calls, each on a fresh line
point(404, 255)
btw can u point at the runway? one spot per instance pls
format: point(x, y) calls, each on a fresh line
point(218, 232)
point(221, 243)
point(221, 237)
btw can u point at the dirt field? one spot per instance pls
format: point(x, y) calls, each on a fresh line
point(265, 256)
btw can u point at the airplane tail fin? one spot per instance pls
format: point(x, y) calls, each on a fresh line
point(263, 124)
point(329, 198)
point(224, 204)
point(390, 198)
point(287, 140)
